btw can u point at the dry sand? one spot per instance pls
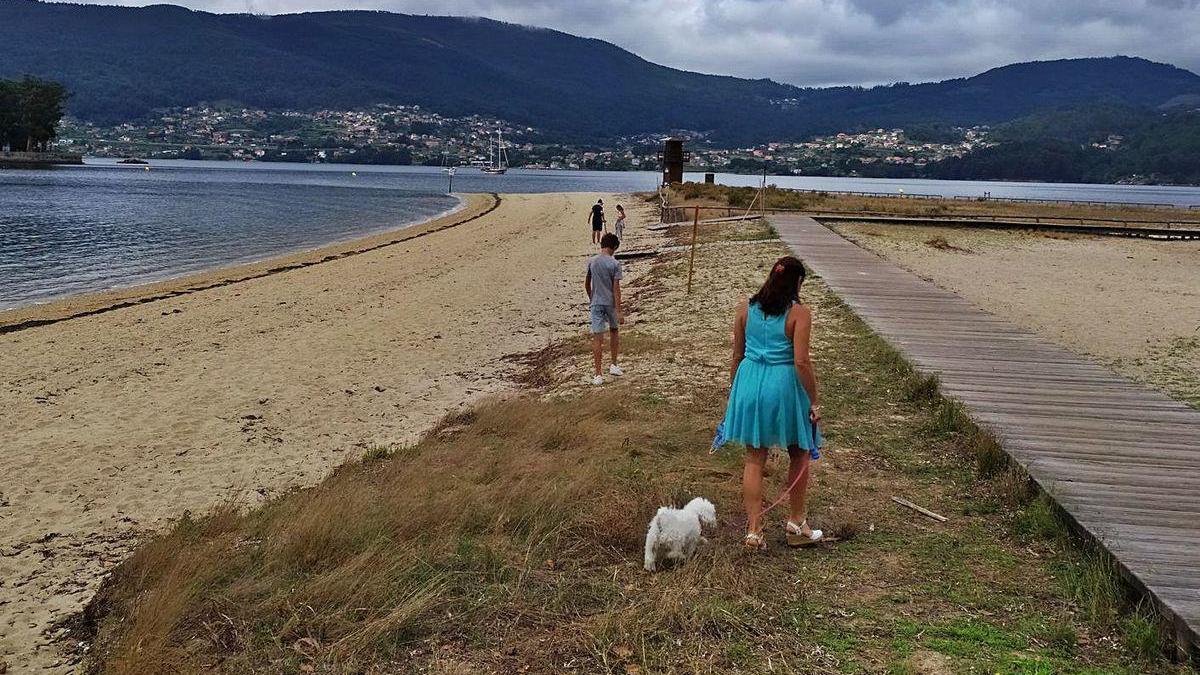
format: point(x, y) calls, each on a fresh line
point(1133, 304)
point(113, 425)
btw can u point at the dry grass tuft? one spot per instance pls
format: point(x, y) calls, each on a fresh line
point(941, 244)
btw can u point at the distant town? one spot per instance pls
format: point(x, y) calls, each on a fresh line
point(388, 134)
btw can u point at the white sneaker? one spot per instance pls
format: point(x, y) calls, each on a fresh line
point(598, 380)
point(615, 370)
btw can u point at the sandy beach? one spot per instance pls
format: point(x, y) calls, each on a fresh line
point(1132, 304)
point(118, 422)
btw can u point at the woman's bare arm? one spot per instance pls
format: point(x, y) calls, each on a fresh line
point(801, 318)
point(739, 341)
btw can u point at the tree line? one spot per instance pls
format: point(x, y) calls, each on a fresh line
point(30, 110)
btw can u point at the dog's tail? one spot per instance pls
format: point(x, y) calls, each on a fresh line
point(651, 541)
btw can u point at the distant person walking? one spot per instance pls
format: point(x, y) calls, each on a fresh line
point(603, 286)
point(619, 226)
point(773, 401)
point(596, 218)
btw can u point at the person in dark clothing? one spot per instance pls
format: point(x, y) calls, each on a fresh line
point(596, 218)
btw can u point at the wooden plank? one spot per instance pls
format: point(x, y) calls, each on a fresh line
point(1121, 459)
point(1105, 429)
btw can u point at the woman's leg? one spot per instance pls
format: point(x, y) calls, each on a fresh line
point(752, 476)
point(800, 464)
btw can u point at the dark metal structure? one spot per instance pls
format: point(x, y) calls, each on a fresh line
point(672, 157)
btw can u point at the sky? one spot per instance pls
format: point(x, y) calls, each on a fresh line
point(824, 42)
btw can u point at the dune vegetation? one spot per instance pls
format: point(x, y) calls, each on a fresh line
point(735, 200)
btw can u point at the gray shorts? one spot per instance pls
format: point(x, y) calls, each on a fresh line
point(602, 314)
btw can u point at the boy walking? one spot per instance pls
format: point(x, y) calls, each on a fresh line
point(603, 285)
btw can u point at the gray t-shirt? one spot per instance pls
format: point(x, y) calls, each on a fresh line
point(604, 270)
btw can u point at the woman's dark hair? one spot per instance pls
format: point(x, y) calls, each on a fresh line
point(781, 288)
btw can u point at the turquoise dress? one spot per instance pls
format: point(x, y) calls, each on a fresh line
point(768, 406)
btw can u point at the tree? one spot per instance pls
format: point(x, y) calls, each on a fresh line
point(30, 110)
point(9, 115)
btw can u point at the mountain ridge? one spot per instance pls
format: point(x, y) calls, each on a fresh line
point(123, 62)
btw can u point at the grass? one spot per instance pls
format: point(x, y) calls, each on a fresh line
point(376, 452)
point(509, 538)
point(1093, 582)
point(734, 198)
point(1142, 633)
point(1040, 520)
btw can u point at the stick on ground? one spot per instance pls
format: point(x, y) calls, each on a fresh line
point(920, 509)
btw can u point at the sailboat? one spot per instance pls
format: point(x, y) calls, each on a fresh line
point(497, 157)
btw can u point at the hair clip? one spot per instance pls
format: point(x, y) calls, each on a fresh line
point(778, 268)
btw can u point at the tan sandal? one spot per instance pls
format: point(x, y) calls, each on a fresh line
point(796, 537)
point(755, 541)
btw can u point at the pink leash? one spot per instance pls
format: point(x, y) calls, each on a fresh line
point(720, 440)
point(784, 495)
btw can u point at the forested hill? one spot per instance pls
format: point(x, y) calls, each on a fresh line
point(1088, 144)
point(120, 63)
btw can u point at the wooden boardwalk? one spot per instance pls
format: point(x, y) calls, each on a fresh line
point(1122, 460)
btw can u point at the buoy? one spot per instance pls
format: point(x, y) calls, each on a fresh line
point(353, 173)
point(146, 168)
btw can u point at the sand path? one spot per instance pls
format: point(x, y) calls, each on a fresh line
point(113, 425)
point(1132, 304)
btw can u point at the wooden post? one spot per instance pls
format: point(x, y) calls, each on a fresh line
point(763, 206)
point(692, 261)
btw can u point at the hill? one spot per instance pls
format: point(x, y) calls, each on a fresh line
point(122, 62)
point(1088, 144)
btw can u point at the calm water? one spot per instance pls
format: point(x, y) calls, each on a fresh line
point(79, 229)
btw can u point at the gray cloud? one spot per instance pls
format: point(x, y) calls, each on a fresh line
point(823, 42)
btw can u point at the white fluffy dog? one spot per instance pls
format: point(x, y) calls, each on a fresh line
point(675, 533)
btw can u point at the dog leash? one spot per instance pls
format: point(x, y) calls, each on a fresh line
point(787, 492)
point(719, 440)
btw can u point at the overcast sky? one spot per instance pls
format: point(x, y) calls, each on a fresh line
point(821, 42)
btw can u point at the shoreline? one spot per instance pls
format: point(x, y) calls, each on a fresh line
point(470, 207)
point(17, 159)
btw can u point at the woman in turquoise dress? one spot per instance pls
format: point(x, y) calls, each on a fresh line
point(773, 402)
